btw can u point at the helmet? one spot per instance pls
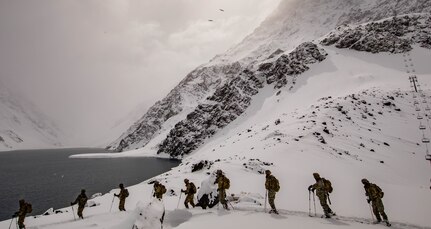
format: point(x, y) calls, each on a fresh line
point(186, 180)
point(219, 172)
point(316, 175)
point(22, 201)
point(121, 185)
point(267, 172)
point(365, 181)
point(82, 190)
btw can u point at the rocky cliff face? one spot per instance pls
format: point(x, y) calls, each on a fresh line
point(396, 35)
point(231, 99)
point(218, 92)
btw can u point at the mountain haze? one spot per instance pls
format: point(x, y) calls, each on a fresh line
point(22, 126)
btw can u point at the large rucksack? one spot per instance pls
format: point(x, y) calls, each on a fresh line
point(380, 193)
point(226, 183)
point(327, 185)
point(163, 189)
point(126, 193)
point(193, 189)
point(29, 208)
point(275, 184)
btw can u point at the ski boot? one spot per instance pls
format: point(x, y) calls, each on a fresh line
point(273, 211)
point(387, 223)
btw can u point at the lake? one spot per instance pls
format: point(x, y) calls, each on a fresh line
point(49, 178)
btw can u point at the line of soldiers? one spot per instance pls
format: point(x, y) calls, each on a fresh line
point(373, 193)
point(322, 187)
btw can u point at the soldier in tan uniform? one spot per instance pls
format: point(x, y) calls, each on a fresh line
point(322, 191)
point(223, 183)
point(124, 193)
point(190, 192)
point(272, 186)
point(159, 190)
point(375, 195)
point(24, 208)
point(81, 200)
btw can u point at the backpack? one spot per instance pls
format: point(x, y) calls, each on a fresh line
point(193, 189)
point(276, 185)
point(29, 208)
point(327, 185)
point(380, 193)
point(226, 183)
point(126, 193)
point(163, 189)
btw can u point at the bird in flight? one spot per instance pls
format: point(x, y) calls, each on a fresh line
point(210, 20)
point(222, 10)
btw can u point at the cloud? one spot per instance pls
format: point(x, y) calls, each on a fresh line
point(88, 63)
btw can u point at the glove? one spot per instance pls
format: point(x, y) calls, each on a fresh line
point(183, 190)
point(368, 200)
point(116, 195)
point(71, 203)
point(310, 188)
point(15, 214)
point(154, 194)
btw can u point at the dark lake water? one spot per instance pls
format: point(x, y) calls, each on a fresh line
point(49, 178)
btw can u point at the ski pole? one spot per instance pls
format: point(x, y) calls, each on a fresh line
point(266, 199)
point(329, 199)
point(371, 211)
point(309, 203)
point(11, 222)
point(314, 201)
point(179, 199)
point(112, 203)
point(73, 212)
point(227, 200)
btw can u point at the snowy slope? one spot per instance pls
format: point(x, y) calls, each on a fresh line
point(23, 127)
point(294, 22)
point(349, 117)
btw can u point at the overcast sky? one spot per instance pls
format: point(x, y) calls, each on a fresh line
point(89, 63)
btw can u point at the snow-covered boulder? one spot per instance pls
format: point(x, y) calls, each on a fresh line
point(207, 194)
point(149, 215)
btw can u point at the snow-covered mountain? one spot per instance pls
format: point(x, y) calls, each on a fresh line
point(22, 126)
point(321, 86)
point(205, 88)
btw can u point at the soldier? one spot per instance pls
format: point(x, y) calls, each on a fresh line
point(159, 190)
point(223, 184)
point(81, 200)
point(124, 193)
point(323, 188)
point(272, 186)
point(375, 195)
point(24, 208)
point(190, 192)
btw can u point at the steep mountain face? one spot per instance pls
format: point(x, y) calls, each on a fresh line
point(233, 98)
point(218, 92)
point(22, 126)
